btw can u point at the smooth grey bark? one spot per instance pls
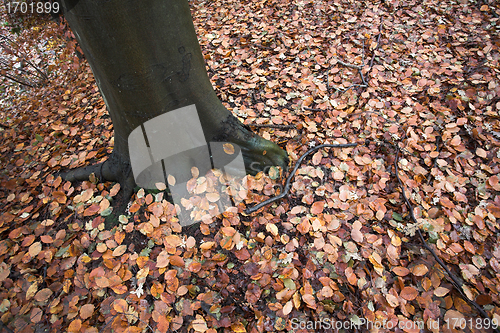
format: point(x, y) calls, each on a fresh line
point(146, 60)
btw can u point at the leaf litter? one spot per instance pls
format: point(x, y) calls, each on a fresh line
point(340, 246)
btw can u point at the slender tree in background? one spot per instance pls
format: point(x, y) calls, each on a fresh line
point(147, 61)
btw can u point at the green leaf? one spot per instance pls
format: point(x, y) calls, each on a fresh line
point(38, 138)
point(397, 217)
point(107, 211)
point(274, 173)
point(289, 284)
point(61, 251)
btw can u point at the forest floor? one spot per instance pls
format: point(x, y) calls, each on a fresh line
point(357, 244)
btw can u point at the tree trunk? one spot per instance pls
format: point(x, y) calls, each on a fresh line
point(147, 62)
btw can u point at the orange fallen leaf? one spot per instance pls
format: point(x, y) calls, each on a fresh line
point(87, 311)
point(228, 148)
point(36, 315)
point(409, 293)
point(120, 305)
point(441, 291)
point(75, 326)
point(119, 250)
point(317, 207)
point(177, 261)
point(419, 270)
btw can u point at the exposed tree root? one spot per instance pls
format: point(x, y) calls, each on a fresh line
point(102, 171)
point(112, 171)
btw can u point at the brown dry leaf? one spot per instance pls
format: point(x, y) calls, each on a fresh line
point(409, 293)
point(309, 300)
point(469, 247)
point(194, 267)
point(441, 291)
point(401, 271)
point(454, 319)
point(213, 196)
point(484, 299)
point(120, 305)
point(287, 308)
point(119, 250)
point(392, 300)
point(171, 280)
point(87, 311)
point(351, 276)
point(339, 175)
point(357, 235)
point(199, 324)
point(161, 186)
point(46, 239)
point(177, 261)
point(36, 315)
point(173, 240)
point(272, 228)
point(163, 259)
point(60, 197)
point(316, 159)
point(92, 210)
point(162, 324)
point(481, 152)
point(207, 245)
point(317, 207)
point(4, 271)
point(238, 327)
point(171, 180)
point(75, 326)
point(35, 249)
point(456, 140)
point(190, 242)
point(228, 231)
point(419, 270)
point(102, 281)
point(32, 289)
point(114, 190)
point(195, 172)
point(43, 295)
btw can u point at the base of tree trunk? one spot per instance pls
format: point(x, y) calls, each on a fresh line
point(258, 154)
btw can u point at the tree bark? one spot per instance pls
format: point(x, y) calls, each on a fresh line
point(147, 61)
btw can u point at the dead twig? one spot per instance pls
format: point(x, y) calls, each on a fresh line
point(313, 109)
point(347, 64)
point(271, 126)
point(292, 173)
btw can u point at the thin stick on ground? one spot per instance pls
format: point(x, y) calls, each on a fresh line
point(271, 126)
